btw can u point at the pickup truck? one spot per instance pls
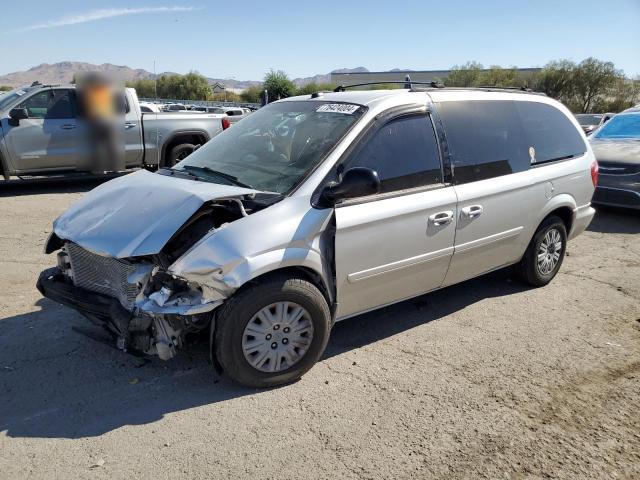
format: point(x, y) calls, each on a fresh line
point(40, 133)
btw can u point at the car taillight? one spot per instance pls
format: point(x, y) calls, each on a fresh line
point(594, 173)
point(225, 123)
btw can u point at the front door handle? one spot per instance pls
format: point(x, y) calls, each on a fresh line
point(441, 218)
point(129, 125)
point(68, 126)
point(472, 211)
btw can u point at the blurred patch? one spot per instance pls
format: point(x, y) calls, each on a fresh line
point(101, 108)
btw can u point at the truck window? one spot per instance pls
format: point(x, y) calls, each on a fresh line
point(404, 152)
point(50, 104)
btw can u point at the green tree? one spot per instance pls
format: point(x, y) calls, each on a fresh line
point(278, 84)
point(497, 76)
point(191, 86)
point(623, 94)
point(5, 88)
point(593, 80)
point(467, 75)
point(556, 80)
point(314, 87)
point(144, 87)
point(252, 94)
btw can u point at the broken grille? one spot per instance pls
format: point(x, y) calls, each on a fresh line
point(104, 275)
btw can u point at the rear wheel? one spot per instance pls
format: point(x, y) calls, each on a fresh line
point(272, 332)
point(179, 153)
point(545, 253)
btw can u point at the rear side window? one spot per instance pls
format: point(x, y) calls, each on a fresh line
point(404, 152)
point(492, 138)
point(550, 135)
point(485, 138)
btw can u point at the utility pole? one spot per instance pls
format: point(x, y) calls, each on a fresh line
point(155, 81)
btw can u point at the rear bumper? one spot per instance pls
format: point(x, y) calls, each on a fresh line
point(582, 217)
point(52, 284)
point(617, 197)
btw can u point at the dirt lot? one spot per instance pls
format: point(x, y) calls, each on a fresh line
point(487, 379)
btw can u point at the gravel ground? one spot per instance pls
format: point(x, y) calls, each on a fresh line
point(486, 379)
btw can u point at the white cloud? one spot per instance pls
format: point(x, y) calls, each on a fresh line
point(101, 14)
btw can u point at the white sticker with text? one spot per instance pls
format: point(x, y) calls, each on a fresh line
point(338, 108)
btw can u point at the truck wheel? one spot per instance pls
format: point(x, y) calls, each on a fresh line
point(179, 153)
point(544, 254)
point(272, 332)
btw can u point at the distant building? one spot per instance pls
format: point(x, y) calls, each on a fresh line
point(217, 87)
point(399, 76)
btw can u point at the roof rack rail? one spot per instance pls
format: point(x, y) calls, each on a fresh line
point(408, 84)
point(522, 88)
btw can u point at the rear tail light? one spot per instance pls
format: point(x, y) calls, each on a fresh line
point(594, 173)
point(225, 123)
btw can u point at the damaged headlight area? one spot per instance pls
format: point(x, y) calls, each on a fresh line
point(143, 306)
point(129, 287)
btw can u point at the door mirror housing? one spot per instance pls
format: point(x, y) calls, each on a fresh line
point(17, 114)
point(355, 182)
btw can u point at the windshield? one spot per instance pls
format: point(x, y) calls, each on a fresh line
point(621, 126)
point(274, 148)
point(588, 119)
point(9, 97)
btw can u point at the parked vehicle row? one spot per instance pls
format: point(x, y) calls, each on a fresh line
point(41, 133)
point(320, 207)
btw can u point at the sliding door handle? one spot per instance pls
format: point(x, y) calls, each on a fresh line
point(441, 218)
point(472, 211)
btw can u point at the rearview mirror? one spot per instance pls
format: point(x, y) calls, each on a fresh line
point(355, 182)
point(17, 114)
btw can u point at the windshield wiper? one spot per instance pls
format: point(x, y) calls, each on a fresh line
point(226, 176)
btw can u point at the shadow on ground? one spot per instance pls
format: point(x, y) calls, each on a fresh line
point(615, 220)
point(56, 383)
point(46, 186)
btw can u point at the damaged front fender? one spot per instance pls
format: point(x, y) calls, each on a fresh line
point(288, 234)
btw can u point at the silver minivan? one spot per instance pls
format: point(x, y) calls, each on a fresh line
point(318, 208)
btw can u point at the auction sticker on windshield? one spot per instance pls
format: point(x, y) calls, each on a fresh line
point(338, 108)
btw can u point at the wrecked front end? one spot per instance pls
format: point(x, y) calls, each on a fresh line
point(144, 306)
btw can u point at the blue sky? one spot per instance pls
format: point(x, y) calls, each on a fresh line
point(244, 39)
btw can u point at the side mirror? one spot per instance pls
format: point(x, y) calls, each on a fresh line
point(17, 114)
point(355, 182)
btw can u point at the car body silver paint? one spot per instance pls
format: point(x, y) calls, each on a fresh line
point(287, 234)
point(136, 214)
point(379, 259)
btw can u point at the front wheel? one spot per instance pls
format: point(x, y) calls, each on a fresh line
point(272, 332)
point(545, 253)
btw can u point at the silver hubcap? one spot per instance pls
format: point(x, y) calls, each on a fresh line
point(549, 252)
point(277, 337)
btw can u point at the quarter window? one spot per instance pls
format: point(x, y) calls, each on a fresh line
point(490, 138)
point(549, 133)
point(404, 152)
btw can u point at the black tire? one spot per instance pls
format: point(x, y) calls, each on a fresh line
point(236, 313)
point(529, 269)
point(179, 153)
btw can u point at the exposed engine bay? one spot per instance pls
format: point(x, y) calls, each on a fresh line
point(146, 308)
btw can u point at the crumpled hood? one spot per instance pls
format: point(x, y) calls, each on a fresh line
point(136, 214)
point(618, 150)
